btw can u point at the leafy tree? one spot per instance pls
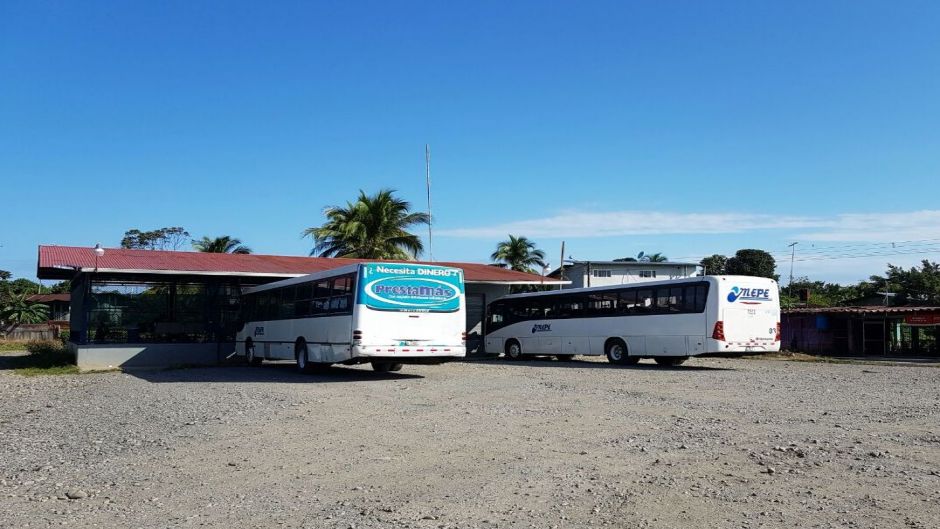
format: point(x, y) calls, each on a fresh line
point(223, 244)
point(655, 258)
point(819, 293)
point(5, 276)
point(715, 265)
point(916, 285)
point(22, 286)
point(62, 287)
point(371, 227)
point(519, 253)
point(625, 260)
point(161, 239)
point(750, 262)
point(17, 310)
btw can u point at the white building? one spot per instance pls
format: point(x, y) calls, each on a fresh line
point(604, 273)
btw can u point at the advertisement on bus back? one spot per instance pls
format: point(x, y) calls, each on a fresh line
point(411, 287)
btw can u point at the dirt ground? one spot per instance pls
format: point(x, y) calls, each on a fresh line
point(715, 443)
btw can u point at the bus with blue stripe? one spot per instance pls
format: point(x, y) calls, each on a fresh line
point(386, 314)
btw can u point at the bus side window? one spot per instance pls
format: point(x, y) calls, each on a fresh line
point(644, 301)
point(627, 301)
point(321, 298)
point(302, 303)
point(496, 316)
point(701, 296)
point(339, 299)
point(286, 302)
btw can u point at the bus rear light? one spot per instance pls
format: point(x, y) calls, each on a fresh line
point(778, 337)
point(719, 332)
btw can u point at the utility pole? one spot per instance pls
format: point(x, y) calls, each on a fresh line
point(792, 258)
point(427, 180)
point(561, 265)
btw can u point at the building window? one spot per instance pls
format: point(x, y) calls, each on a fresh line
point(647, 273)
point(600, 273)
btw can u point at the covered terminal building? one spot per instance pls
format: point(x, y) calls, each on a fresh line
point(151, 308)
point(906, 331)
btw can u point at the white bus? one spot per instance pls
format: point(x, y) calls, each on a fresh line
point(388, 314)
point(668, 321)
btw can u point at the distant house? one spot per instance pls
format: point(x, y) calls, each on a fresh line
point(606, 273)
point(58, 305)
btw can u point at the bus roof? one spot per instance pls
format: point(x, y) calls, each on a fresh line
point(343, 270)
point(695, 279)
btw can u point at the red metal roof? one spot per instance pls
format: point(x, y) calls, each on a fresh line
point(49, 298)
point(61, 262)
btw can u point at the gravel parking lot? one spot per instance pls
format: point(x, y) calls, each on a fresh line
point(715, 443)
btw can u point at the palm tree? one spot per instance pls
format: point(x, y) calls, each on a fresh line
point(519, 253)
point(223, 244)
point(18, 310)
point(655, 258)
point(372, 227)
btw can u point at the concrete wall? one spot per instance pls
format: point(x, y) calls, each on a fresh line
point(149, 356)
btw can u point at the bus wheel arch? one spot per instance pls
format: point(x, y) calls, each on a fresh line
point(300, 354)
point(618, 353)
point(250, 355)
point(513, 349)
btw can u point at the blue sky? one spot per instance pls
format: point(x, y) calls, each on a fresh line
point(687, 128)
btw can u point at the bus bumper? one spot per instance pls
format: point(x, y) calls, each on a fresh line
point(409, 354)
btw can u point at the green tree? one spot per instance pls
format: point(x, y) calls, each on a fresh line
point(818, 293)
point(750, 262)
point(519, 253)
point(162, 239)
point(915, 285)
point(22, 286)
point(715, 265)
point(5, 276)
point(371, 227)
point(223, 244)
point(16, 309)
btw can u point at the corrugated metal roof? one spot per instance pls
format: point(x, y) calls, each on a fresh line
point(860, 310)
point(49, 298)
point(61, 262)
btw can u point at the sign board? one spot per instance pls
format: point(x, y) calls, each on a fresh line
point(922, 319)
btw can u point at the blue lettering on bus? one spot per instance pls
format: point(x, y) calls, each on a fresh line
point(541, 327)
point(746, 294)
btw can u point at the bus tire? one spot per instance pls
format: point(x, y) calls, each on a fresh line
point(617, 353)
point(385, 367)
point(565, 358)
point(670, 361)
point(253, 360)
point(513, 350)
point(300, 355)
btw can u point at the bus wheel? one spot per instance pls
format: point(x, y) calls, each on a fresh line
point(513, 350)
point(564, 358)
point(616, 352)
point(300, 354)
point(385, 367)
point(671, 361)
point(250, 354)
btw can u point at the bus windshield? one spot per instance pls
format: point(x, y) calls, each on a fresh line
point(410, 287)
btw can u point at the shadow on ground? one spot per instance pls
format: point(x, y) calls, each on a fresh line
point(548, 361)
point(285, 373)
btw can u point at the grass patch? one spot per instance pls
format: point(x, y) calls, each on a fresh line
point(7, 346)
point(43, 358)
